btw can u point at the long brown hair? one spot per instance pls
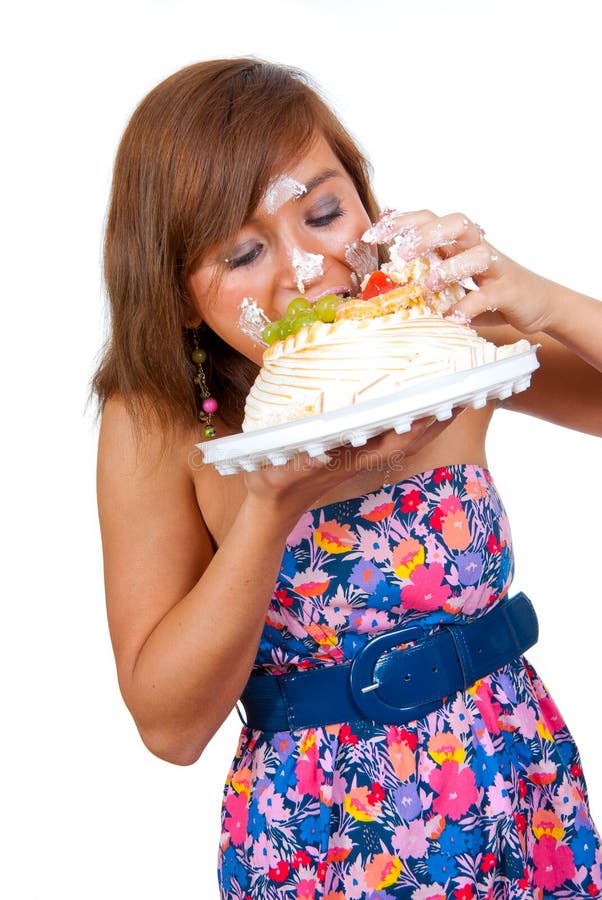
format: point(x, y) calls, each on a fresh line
point(193, 164)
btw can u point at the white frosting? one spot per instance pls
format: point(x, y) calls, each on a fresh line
point(307, 266)
point(384, 229)
point(329, 366)
point(361, 258)
point(404, 247)
point(252, 320)
point(415, 272)
point(412, 272)
point(280, 190)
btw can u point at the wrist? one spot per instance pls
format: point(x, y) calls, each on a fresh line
point(566, 308)
point(270, 514)
point(558, 298)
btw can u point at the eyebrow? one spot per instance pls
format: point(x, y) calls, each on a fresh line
point(311, 185)
point(316, 182)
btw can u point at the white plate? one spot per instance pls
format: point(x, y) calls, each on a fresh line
point(356, 424)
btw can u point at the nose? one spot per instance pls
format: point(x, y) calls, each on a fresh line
point(307, 268)
point(300, 265)
point(299, 260)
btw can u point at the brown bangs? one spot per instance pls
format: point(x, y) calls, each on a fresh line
point(260, 128)
point(193, 164)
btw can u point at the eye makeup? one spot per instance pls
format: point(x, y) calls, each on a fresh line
point(243, 255)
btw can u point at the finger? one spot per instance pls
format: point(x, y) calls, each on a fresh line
point(393, 223)
point(471, 263)
point(389, 444)
point(417, 428)
point(448, 235)
point(478, 304)
point(394, 448)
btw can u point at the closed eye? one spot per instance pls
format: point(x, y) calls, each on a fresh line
point(245, 258)
point(325, 220)
point(327, 217)
point(321, 216)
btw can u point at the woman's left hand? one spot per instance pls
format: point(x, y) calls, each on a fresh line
point(522, 298)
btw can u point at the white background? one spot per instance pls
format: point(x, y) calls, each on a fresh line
point(488, 107)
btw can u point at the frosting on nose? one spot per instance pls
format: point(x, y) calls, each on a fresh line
point(307, 267)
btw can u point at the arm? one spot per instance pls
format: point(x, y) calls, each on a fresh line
point(564, 390)
point(576, 321)
point(186, 620)
point(567, 388)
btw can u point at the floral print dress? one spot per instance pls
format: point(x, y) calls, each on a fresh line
point(482, 798)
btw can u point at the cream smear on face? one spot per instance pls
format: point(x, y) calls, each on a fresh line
point(252, 321)
point(280, 191)
point(362, 259)
point(308, 267)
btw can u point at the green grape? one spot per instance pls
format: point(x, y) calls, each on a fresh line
point(299, 304)
point(326, 307)
point(271, 333)
point(302, 320)
point(286, 326)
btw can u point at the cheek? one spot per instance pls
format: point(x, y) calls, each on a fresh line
point(224, 317)
point(351, 229)
point(219, 309)
point(222, 311)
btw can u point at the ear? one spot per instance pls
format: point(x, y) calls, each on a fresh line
point(192, 317)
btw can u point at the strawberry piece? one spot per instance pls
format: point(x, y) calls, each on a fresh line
point(378, 283)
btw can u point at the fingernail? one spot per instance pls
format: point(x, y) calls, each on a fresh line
point(455, 314)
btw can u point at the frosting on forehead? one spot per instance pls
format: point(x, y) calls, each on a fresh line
point(280, 190)
point(308, 267)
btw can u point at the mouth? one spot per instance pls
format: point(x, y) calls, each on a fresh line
point(340, 290)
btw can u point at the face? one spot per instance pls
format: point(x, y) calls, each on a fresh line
point(294, 244)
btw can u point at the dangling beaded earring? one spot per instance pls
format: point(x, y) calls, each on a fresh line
point(208, 403)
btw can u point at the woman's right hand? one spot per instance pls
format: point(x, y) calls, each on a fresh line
point(293, 488)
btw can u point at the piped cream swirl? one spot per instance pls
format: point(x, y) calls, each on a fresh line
point(330, 366)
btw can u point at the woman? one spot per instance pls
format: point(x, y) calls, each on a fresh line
point(296, 568)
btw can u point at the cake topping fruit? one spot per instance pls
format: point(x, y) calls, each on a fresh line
point(297, 305)
point(378, 283)
point(326, 307)
point(300, 313)
point(272, 333)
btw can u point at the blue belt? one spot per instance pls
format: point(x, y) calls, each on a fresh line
point(389, 685)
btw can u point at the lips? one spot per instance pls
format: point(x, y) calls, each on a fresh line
point(340, 290)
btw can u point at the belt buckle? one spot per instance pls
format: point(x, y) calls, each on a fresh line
point(364, 684)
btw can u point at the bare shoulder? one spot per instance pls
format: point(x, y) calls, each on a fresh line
point(155, 542)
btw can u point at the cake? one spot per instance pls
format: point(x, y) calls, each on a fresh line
point(394, 335)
